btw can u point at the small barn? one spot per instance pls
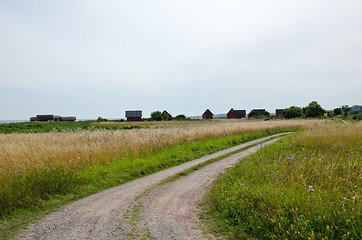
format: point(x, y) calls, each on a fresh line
point(236, 114)
point(166, 115)
point(135, 115)
point(253, 112)
point(207, 114)
point(279, 112)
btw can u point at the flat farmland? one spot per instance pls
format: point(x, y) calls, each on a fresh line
point(38, 167)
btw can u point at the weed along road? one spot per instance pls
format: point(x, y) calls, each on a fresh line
point(143, 208)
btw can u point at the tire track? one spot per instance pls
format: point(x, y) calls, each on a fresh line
point(97, 216)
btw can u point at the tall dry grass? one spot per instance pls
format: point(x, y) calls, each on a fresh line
point(20, 153)
point(305, 187)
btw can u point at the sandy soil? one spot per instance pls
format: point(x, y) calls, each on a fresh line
point(167, 212)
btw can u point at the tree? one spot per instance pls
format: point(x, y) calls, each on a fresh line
point(156, 116)
point(337, 111)
point(100, 119)
point(166, 116)
point(180, 117)
point(264, 114)
point(292, 112)
point(314, 110)
point(345, 110)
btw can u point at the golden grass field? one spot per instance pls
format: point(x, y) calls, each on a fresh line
point(22, 152)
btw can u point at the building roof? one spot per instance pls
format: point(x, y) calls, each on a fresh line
point(238, 112)
point(207, 110)
point(280, 111)
point(136, 113)
point(257, 110)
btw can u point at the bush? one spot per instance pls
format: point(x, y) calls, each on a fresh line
point(180, 117)
point(314, 110)
point(156, 116)
point(292, 112)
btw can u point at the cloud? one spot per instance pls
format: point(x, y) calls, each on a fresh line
point(183, 55)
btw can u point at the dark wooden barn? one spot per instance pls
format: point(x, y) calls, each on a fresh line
point(207, 114)
point(134, 115)
point(255, 111)
point(45, 118)
point(69, 119)
point(166, 115)
point(236, 114)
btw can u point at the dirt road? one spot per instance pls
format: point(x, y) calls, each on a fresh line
point(168, 211)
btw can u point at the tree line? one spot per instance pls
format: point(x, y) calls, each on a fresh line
point(314, 110)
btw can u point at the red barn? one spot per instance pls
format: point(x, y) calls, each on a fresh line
point(236, 114)
point(207, 114)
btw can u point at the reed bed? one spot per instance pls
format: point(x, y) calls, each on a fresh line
point(306, 187)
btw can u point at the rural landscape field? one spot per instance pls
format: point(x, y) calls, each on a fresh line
point(307, 186)
point(192, 119)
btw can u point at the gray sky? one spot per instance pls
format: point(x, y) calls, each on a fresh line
point(100, 58)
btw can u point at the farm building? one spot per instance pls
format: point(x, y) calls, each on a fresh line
point(166, 115)
point(69, 119)
point(253, 112)
point(135, 115)
point(279, 112)
point(57, 118)
point(236, 114)
point(45, 118)
point(207, 114)
point(51, 117)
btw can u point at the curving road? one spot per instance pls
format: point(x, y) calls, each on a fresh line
point(126, 212)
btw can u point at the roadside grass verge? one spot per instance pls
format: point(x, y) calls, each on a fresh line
point(304, 187)
point(27, 197)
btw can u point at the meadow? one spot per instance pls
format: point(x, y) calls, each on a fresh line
point(42, 171)
point(44, 127)
point(49, 163)
point(307, 186)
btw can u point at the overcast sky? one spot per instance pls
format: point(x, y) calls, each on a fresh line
point(100, 58)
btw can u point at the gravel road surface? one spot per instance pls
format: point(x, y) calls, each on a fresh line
point(167, 212)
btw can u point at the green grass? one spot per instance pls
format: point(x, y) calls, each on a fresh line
point(42, 127)
point(304, 187)
point(26, 198)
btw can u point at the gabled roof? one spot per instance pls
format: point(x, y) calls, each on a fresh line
point(207, 110)
point(136, 113)
point(239, 112)
point(257, 110)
